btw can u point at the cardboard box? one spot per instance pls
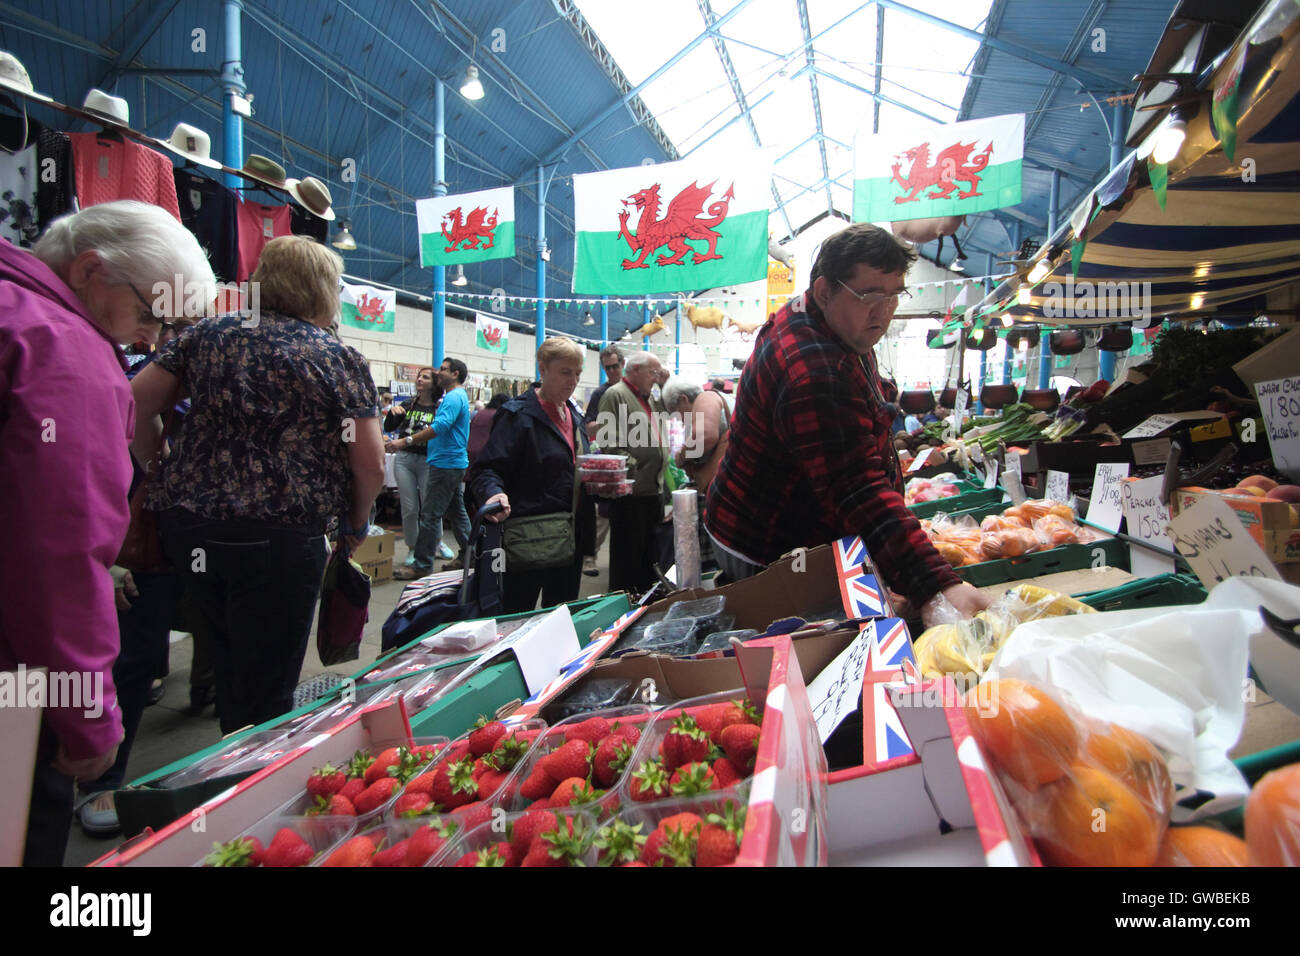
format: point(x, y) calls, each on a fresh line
point(379, 571)
point(185, 841)
point(1268, 521)
point(376, 547)
point(1277, 359)
point(895, 816)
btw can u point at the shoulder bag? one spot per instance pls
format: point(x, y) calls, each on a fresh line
point(539, 542)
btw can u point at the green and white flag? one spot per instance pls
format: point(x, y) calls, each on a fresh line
point(491, 334)
point(949, 170)
point(365, 307)
point(673, 227)
point(466, 227)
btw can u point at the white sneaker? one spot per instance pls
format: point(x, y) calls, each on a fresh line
point(445, 552)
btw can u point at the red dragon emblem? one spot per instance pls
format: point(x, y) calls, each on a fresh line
point(492, 335)
point(478, 225)
point(370, 309)
point(681, 222)
point(952, 164)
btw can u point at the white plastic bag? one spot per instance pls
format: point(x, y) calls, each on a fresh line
point(1175, 675)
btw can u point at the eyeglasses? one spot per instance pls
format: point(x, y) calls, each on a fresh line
point(147, 317)
point(873, 299)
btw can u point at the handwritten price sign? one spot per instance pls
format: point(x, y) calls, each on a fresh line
point(1106, 506)
point(1279, 402)
point(837, 691)
point(1214, 542)
point(1148, 520)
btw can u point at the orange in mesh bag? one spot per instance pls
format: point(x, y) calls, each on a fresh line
point(1273, 819)
point(1201, 846)
point(1090, 818)
point(1131, 757)
point(1055, 531)
point(1002, 522)
point(1010, 543)
point(1027, 735)
point(1031, 511)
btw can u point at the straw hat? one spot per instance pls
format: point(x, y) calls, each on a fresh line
point(312, 194)
point(191, 143)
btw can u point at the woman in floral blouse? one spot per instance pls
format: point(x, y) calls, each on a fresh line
point(283, 435)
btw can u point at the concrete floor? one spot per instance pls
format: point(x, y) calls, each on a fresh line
point(167, 733)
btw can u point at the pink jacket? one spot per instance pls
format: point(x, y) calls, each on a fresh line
point(66, 416)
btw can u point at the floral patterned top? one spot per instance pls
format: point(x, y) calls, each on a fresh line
point(265, 436)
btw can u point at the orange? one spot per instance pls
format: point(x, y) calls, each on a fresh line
point(1026, 734)
point(1131, 757)
point(1273, 819)
point(1090, 818)
point(1201, 846)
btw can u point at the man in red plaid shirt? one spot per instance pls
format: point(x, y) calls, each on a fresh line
point(811, 457)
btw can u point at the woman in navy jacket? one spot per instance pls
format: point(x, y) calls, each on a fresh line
point(529, 466)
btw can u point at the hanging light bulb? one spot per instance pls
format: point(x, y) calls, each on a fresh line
point(1040, 270)
point(1170, 139)
point(343, 239)
point(1007, 320)
point(460, 277)
point(471, 88)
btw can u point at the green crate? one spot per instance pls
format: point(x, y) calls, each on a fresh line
point(974, 496)
point(1164, 590)
point(1068, 557)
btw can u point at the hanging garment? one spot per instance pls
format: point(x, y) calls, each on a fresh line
point(258, 225)
point(109, 169)
point(304, 223)
point(208, 209)
point(36, 179)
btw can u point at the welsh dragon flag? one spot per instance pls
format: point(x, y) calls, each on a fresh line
point(491, 334)
point(950, 170)
point(673, 227)
point(364, 307)
point(466, 227)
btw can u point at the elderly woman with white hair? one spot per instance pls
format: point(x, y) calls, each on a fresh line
point(528, 466)
point(96, 281)
point(706, 415)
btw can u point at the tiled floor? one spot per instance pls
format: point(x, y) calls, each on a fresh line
point(167, 734)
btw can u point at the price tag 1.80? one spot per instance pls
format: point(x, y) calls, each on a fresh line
point(1279, 402)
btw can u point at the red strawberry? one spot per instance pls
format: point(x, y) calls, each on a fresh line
point(726, 772)
point(353, 789)
point(684, 743)
point(335, 806)
point(358, 851)
point(394, 855)
point(453, 784)
point(633, 863)
point(427, 841)
point(563, 846)
point(427, 751)
point(572, 759)
point(619, 842)
point(474, 813)
point(325, 781)
point(413, 804)
point(527, 828)
point(543, 803)
point(508, 752)
point(287, 848)
point(673, 842)
point(376, 795)
point(630, 732)
point(591, 730)
point(490, 781)
point(709, 720)
point(612, 755)
point(716, 847)
point(246, 851)
point(740, 741)
point(379, 769)
point(719, 842)
point(574, 791)
point(538, 785)
point(457, 751)
point(421, 784)
point(692, 779)
point(359, 764)
point(496, 855)
point(483, 736)
point(650, 781)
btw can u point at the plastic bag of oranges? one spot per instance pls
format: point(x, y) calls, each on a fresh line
point(1089, 793)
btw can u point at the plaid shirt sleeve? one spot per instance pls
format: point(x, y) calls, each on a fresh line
point(824, 418)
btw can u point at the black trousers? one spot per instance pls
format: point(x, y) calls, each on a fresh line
point(555, 585)
point(254, 587)
point(632, 524)
point(49, 815)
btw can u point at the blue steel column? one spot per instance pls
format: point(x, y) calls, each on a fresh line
point(1045, 353)
point(604, 334)
point(645, 320)
point(232, 83)
point(1006, 352)
point(984, 356)
point(439, 189)
point(677, 359)
point(541, 261)
point(1118, 116)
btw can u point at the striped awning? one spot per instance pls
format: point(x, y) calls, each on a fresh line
point(1225, 243)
